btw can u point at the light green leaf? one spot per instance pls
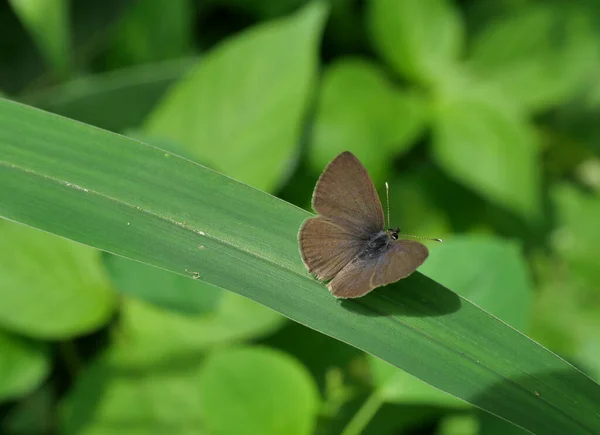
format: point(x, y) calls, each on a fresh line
point(538, 57)
point(491, 149)
point(117, 394)
point(151, 32)
point(257, 391)
point(567, 314)
point(577, 238)
point(360, 110)
point(420, 39)
point(489, 272)
point(50, 287)
point(241, 110)
point(23, 365)
point(48, 23)
point(459, 424)
point(161, 334)
point(122, 196)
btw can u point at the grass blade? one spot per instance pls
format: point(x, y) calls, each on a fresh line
point(140, 202)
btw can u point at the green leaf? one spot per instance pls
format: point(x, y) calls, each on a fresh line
point(397, 386)
point(539, 56)
point(265, 8)
point(420, 39)
point(117, 394)
point(122, 196)
point(48, 23)
point(50, 287)
point(495, 278)
point(241, 110)
point(161, 288)
point(577, 238)
point(24, 364)
point(114, 100)
point(491, 149)
point(162, 334)
point(412, 206)
point(41, 404)
point(257, 391)
point(459, 424)
point(566, 315)
point(151, 32)
point(359, 110)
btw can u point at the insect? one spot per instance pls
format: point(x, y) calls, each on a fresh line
point(347, 243)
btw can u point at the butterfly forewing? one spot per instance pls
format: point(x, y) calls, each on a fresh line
point(362, 274)
point(345, 194)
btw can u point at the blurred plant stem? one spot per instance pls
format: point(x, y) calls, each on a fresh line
point(364, 415)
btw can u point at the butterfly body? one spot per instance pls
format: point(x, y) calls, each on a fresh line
point(347, 242)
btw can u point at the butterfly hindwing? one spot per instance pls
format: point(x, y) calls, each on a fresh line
point(362, 275)
point(327, 247)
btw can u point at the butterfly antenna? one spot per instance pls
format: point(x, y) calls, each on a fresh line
point(387, 201)
point(419, 237)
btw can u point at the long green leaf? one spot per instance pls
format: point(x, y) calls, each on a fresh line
point(125, 197)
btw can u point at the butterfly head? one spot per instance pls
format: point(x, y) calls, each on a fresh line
point(393, 233)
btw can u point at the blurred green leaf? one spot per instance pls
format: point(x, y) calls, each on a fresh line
point(459, 424)
point(257, 391)
point(491, 425)
point(420, 39)
point(150, 31)
point(24, 364)
point(48, 23)
point(264, 8)
point(50, 287)
point(123, 196)
point(397, 386)
point(488, 271)
point(567, 314)
point(577, 238)
point(539, 56)
point(491, 149)
point(413, 208)
point(161, 334)
point(32, 415)
point(114, 100)
point(160, 287)
point(359, 110)
point(241, 110)
point(117, 394)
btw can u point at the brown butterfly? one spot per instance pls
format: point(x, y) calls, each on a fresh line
point(347, 242)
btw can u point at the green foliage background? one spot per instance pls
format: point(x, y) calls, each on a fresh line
point(483, 117)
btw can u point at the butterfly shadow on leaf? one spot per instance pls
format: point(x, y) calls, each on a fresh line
point(415, 295)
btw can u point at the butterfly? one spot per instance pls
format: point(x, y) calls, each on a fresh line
point(347, 243)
